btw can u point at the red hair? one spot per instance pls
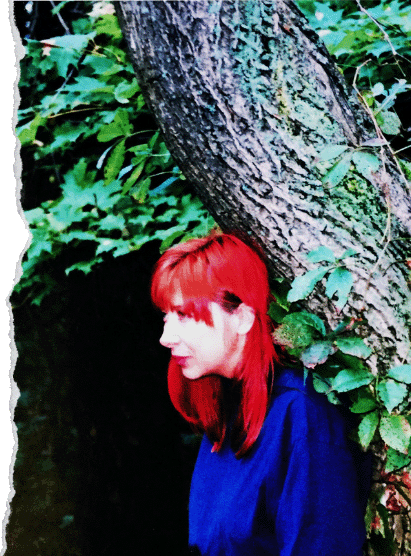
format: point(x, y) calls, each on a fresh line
point(224, 269)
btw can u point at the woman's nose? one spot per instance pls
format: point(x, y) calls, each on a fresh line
point(169, 337)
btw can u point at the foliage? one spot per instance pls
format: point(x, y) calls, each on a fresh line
point(338, 361)
point(370, 41)
point(83, 128)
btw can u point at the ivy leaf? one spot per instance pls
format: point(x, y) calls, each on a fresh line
point(395, 430)
point(317, 354)
point(365, 403)
point(338, 171)
point(402, 373)
point(350, 379)
point(302, 317)
point(321, 385)
point(302, 286)
point(332, 151)
point(321, 254)
point(389, 122)
point(391, 393)
point(350, 252)
point(396, 460)
point(366, 163)
point(354, 346)
point(367, 428)
point(339, 282)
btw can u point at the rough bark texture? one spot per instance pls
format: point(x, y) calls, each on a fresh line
point(246, 96)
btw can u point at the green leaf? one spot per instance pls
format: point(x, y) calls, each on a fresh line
point(350, 379)
point(396, 460)
point(302, 317)
point(125, 90)
point(402, 373)
point(366, 163)
point(389, 122)
point(141, 193)
point(367, 428)
point(302, 286)
point(332, 151)
point(321, 385)
point(120, 126)
point(321, 254)
point(365, 403)
point(350, 252)
point(133, 178)
point(27, 133)
point(354, 346)
point(115, 162)
point(395, 430)
point(338, 171)
point(317, 354)
point(391, 393)
point(339, 282)
point(84, 266)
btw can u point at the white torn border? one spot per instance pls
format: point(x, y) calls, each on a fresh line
point(14, 239)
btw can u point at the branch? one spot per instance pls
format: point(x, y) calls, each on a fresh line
point(65, 27)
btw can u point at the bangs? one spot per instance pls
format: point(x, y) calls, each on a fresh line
point(193, 279)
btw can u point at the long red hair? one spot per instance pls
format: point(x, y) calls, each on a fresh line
point(224, 269)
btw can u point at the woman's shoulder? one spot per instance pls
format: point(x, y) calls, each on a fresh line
point(303, 412)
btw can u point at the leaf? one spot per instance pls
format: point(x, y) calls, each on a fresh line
point(366, 163)
point(142, 190)
point(395, 430)
point(27, 133)
point(302, 317)
point(402, 373)
point(317, 354)
point(354, 346)
point(115, 162)
point(396, 460)
point(338, 172)
point(125, 90)
point(376, 142)
point(118, 127)
point(321, 254)
point(367, 428)
point(350, 379)
point(350, 252)
point(365, 403)
point(321, 385)
point(302, 286)
point(391, 393)
point(339, 282)
point(332, 151)
point(389, 122)
point(133, 178)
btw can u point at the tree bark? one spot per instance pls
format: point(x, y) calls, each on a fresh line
point(246, 96)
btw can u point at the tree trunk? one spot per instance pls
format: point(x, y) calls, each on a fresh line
point(246, 96)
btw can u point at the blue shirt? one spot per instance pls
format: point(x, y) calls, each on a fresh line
point(294, 494)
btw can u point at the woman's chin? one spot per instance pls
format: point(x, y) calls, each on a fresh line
point(191, 373)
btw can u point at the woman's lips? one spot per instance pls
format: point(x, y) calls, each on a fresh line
point(182, 361)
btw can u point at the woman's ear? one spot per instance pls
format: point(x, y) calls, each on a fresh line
point(246, 317)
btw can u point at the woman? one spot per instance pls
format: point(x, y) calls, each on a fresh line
point(274, 475)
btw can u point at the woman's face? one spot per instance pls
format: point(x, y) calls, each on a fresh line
point(201, 349)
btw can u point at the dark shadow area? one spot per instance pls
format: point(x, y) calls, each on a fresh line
point(102, 467)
